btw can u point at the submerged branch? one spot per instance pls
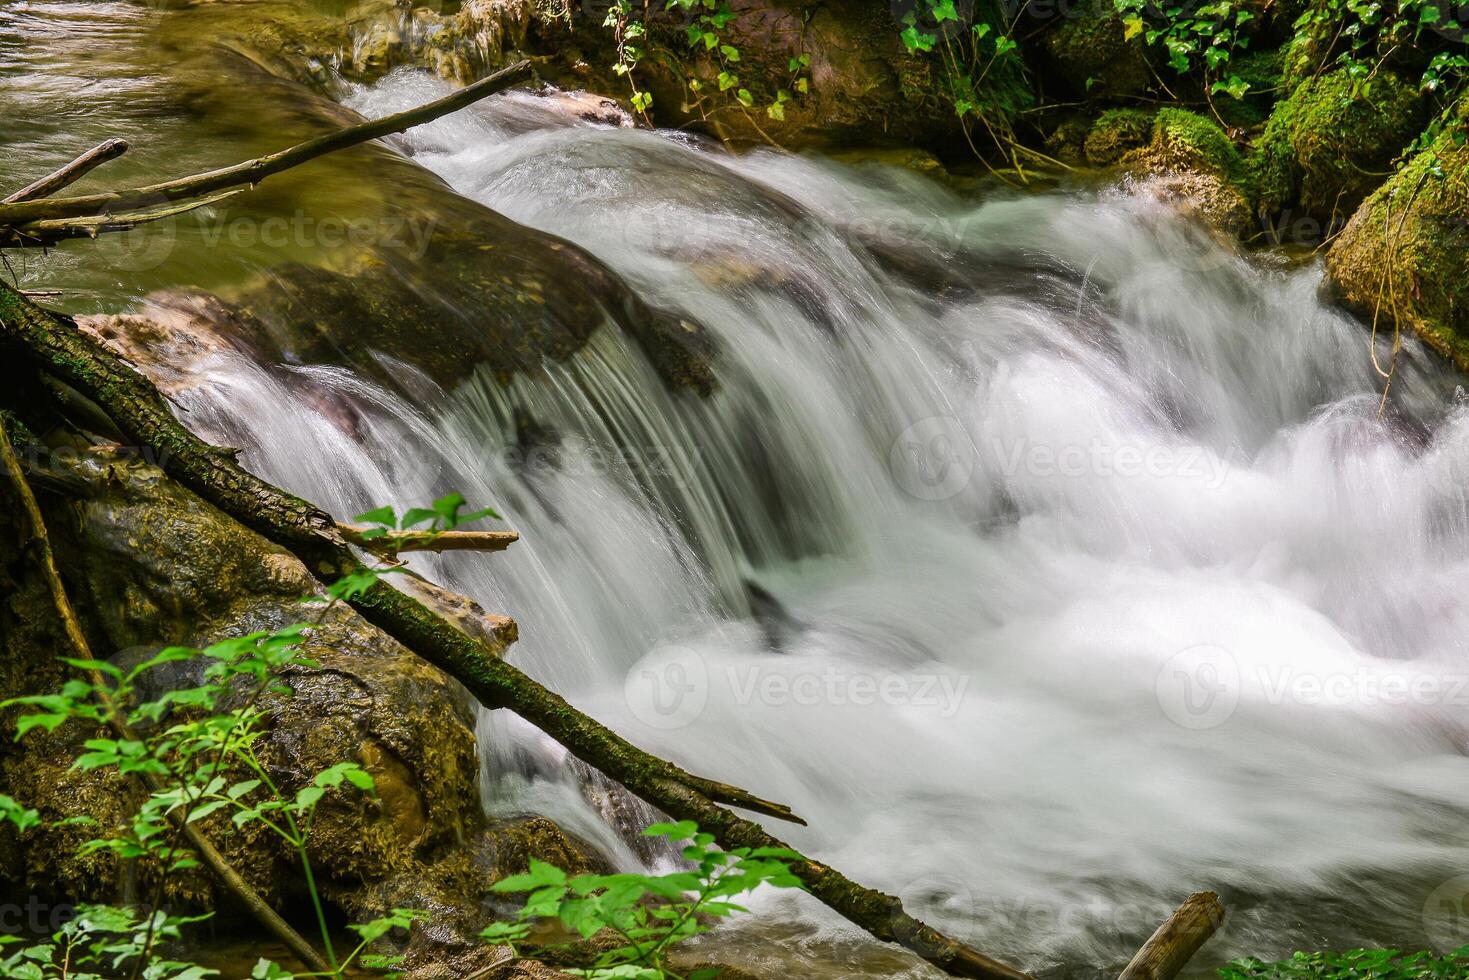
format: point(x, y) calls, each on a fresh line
point(54, 345)
point(71, 173)
point(39, 234)
point(18, 215)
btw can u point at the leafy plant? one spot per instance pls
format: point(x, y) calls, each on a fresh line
point(650, 913)
point(443, 515)
point(194, 749)
point(1354, 964)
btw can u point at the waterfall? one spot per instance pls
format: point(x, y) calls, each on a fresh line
point(1051, 558)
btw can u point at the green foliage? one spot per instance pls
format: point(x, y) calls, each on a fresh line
point(1355, 36)
point(704, 33)
point(1354, 964)
point(443, 515)
point(194, 748)
point(649, 913)
point(96, 943)
point(1204, 37)
point(980, 59)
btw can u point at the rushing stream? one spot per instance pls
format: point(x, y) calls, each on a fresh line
point(1050, 559)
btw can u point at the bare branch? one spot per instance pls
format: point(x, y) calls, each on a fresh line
point(71, 173)
point(394, 542)
point(39, 234)
point(252, 172)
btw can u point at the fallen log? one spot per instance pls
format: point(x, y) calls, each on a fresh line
point(52, 344)
point(16, 218)
point(71, 173)
point(1177, 939)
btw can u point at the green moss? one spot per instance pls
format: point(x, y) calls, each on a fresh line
point(1187, 140)
point(1404, 256)
point(1116, 132)
point(1328, 144)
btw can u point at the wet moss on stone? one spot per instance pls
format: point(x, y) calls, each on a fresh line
point(1404, 256)
point(1117, 131)
point(1332, 141)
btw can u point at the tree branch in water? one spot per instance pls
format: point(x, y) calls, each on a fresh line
point(17, 220)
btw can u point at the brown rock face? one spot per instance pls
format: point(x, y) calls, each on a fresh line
point(149, 565)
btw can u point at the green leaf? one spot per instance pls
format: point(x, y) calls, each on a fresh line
point(540, 875)
point(383, 516)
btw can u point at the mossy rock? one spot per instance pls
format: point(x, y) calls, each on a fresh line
point(1116, 133)
point(1090, 52)
point(1193, 162)
point(1328, 145)
point(1067, 141)
point(1404, 255)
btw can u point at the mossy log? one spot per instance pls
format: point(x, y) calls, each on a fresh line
point(52, 345)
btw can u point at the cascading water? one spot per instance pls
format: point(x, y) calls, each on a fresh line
point(1051, 559)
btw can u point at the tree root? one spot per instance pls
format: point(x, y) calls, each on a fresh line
point(53, 345)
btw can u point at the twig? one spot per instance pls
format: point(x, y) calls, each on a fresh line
point(211, 857)
point(1177, 939)
point(252, 172)
point(39, 234)
point(71, 173)
point(393, 542)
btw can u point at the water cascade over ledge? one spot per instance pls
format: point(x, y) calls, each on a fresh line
point(1050, 558)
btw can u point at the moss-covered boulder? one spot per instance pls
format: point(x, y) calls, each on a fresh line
point(1404, 255)
point(1089, 52)
point(1192, 163)
point(1116, 133)
point(1327, 146)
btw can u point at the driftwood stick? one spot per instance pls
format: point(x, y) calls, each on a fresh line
point(389, 544)
point(1177, 939)
point(207, 852)
point(39, 234)
point(252, 172)
point(53, 344)
point(71, 173)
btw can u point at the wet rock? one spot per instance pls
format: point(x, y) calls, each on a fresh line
point(394, 264)
point(1404, 255)
point(1192, 164)
point(1116, 133)
point(1067, 142)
